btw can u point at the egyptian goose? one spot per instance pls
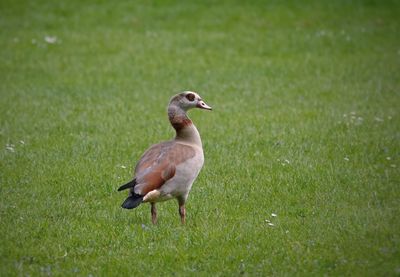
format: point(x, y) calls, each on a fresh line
point(167, 170)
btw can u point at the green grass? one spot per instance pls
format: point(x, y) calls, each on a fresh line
point(305, 125)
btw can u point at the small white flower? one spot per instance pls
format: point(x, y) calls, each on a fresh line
point(388, 158)
point(287, 232)
point(267, 220)
point(274, 215)
point(10, 147)
point(122, 166)
point(22, 142)
point(50, 39)
point(271, 224)
point(346, 159)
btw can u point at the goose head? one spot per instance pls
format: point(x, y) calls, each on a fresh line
point(188, 100)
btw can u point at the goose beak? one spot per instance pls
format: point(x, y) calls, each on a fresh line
point(202, 105)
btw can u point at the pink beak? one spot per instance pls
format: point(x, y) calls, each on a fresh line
point(202, 105)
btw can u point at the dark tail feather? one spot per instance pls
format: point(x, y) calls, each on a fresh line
point(132, 201)
point(131, 184)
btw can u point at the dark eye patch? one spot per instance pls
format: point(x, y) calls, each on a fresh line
point(190, 96)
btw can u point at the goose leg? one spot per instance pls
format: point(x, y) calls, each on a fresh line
point(153, 213)
point(182, 212)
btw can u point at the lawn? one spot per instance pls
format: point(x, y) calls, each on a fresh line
point(306, 125)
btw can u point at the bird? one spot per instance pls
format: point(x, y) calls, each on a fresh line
point(168, 169)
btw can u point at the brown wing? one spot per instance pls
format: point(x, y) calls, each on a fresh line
point(158, 164)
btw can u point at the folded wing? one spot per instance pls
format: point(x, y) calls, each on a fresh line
point(158, 165)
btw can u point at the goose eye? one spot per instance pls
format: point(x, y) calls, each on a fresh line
point(190, 97)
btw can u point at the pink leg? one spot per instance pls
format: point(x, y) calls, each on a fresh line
point(182, 212)
point(153, 213)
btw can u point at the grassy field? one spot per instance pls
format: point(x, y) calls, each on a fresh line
point(306, 125)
